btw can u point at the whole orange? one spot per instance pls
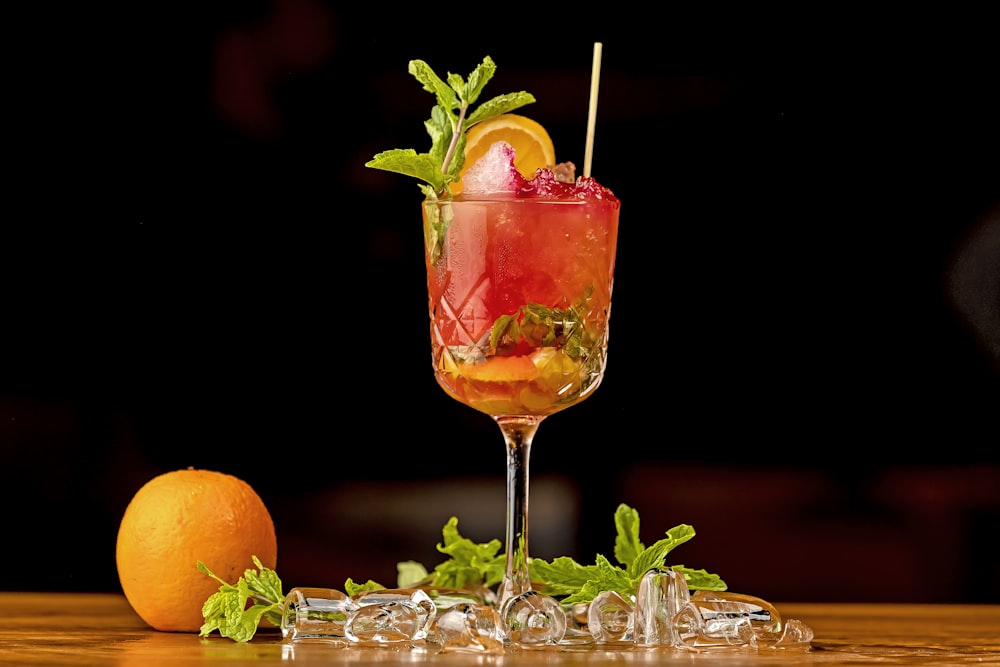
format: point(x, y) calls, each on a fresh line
point(177, 519)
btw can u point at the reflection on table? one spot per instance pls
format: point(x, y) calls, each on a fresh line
point(86, 629)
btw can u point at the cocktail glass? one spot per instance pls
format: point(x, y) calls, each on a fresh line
point(520, 297)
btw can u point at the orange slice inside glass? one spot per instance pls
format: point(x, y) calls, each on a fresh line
point(532, 145)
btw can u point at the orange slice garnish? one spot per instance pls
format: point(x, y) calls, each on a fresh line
point(532, 145)
point(501, 369)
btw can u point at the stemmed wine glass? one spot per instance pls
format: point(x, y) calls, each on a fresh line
point(520, 296)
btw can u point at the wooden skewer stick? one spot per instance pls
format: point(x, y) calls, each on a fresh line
point(595, 80)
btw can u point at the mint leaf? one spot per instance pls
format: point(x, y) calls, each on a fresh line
point(409, 163)
point(500, 104)
point(505, 333)
point(563, 576)
point(627, 543)
point(700, 579)
point(656, 554)
point(353, 589)
point(410, 573)
point(478, 79)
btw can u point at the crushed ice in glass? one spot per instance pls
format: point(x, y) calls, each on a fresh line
point(493, 173)
point(663, 614)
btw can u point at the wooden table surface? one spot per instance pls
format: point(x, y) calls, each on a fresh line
point(101, 629)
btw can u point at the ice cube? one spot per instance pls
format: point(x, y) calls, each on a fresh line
point(533, 619)
point(412, 598)
point(794, 634)
point(611, 618)
point(662, 594)
point(315, 612)
point(493, 173)
point(469, 627)
point(384, 623)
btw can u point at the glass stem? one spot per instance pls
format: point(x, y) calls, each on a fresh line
point(518, 432)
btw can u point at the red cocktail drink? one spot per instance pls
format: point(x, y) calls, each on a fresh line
point(520, 294)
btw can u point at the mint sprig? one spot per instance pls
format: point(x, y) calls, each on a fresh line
point(581, 583)
point(450, 118)
point(227, 610)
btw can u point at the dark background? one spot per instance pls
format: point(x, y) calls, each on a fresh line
point(805, 352)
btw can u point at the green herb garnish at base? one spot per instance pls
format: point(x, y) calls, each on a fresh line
point(469, 566)
point(227, 611)
point(573, 583)
point(479, 565)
